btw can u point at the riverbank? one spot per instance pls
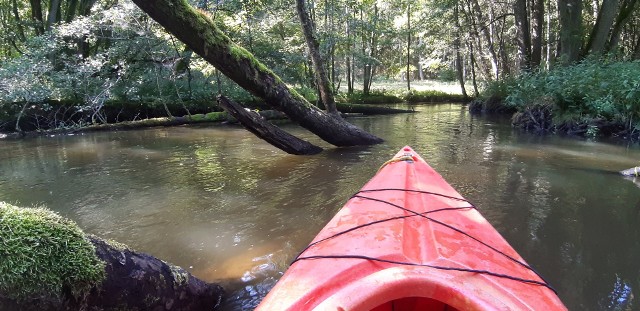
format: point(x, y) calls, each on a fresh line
point(347, 109)
point(595, 98)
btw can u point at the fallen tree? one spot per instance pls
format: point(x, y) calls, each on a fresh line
point(200, 33)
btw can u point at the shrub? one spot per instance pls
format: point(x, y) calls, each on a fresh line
point(592, 89)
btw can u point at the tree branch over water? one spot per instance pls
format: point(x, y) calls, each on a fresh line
point(201, 34)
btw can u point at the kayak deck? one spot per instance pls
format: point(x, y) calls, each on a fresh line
point(408, 241)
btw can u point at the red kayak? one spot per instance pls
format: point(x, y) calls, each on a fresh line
point(408, 241)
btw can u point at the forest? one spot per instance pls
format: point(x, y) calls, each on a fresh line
point(565, 65)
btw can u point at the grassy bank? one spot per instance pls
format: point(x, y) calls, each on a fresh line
point(592, 98)
point(389, 92)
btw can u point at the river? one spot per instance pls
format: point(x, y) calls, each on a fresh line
point(228, 207)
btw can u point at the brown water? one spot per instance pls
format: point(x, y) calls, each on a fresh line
point(227, 206)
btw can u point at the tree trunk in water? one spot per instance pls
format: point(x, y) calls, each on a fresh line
point(599, 36)
point(326, 94)
point(537, 24)
point(257, 125)
point(201, 34)
point(523, 36)
point(570, 12)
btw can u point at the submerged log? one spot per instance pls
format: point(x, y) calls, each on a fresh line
point(199, 32)
point(257, 125)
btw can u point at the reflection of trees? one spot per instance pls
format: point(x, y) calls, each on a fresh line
point(202, 196)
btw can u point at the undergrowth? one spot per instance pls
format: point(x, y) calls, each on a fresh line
point(595, 91)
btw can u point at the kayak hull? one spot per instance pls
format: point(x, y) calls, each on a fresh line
point(408, 241)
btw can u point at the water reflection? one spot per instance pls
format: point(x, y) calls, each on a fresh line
point(229, 207)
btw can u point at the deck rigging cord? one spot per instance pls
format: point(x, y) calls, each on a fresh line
point(413, 213)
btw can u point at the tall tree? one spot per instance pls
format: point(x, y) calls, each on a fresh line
point(523, 36)
point(203, 36)
point(409, 45)
point(624, 16)
point(456, 46)
point(599, 36)
point(570, 23)
point(537, 26)
point(36, 15)
point(322, 81)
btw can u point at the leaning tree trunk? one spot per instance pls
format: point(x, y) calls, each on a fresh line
point(200, 33)
point(326, 95)
point(599, 36)
point(259, 126)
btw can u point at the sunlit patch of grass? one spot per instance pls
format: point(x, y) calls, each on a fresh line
point(398, 87)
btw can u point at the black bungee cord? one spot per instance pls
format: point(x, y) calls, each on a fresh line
point(423, 215)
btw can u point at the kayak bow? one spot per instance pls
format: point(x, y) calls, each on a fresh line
point(408, 241)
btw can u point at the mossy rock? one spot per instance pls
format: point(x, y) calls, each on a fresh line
point(44, 256)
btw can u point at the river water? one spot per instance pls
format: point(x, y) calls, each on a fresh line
point(228, 207)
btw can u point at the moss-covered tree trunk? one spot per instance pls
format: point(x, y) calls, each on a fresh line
point(200, 33)
point(48, 263)
point(137, 281)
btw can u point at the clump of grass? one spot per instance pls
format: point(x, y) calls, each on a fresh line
point(374, 97)
point(414, 96)
point(43, 255)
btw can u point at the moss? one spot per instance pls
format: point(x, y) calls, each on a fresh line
point(197, 117)
point(43, 253)
point(216, 116)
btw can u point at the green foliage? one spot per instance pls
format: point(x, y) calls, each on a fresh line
point(593, 88)
point(593, 97)
point(308, 93)
point(43, 254)
point(374, 97)
point(95, 62)
point(414, 96)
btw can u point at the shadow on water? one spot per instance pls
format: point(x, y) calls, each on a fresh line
point(229, 207)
